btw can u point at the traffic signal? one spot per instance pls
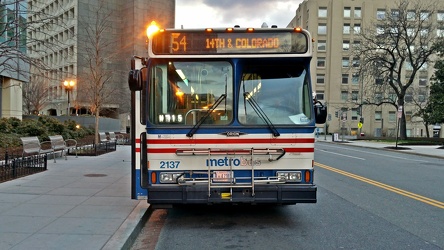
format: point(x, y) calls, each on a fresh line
point(361, 120)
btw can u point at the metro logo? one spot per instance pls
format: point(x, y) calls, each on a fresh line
point(226, 162)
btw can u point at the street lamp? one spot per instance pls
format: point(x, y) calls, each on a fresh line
point(69, 85)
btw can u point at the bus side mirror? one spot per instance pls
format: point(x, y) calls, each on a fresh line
point(138, 73)
point(135, 80)
point(320, 113)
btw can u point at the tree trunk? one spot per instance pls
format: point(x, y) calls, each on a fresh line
point(96, 126)
point(426, 125)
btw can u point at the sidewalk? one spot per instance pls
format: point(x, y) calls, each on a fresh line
point(79, 203)
point(429, 150)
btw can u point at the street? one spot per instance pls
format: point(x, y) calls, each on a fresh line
point(367, 199)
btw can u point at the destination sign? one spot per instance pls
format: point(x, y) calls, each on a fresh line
point(203, 43)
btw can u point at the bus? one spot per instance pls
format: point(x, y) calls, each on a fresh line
point(224, 115)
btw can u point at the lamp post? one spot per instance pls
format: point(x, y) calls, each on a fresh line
point(69, 85)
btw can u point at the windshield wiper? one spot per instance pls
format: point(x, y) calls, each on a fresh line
point(260, 113)
point(203, 118)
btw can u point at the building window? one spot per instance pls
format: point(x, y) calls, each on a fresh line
point(322, 45)
point(408, 116)
point(321, 62)
point(422, 81)
point(355, 79)
point(346, 29)
point(322, 12)
point(345, 45)
point(392, 116)
point(344, 95)
point(440, 16)
point(378, 97)
point(357, 29)
point(347, 12)
point(408, 97)
point(380, 14)
point(392, 96)
point(354, 114)
point(378, 115)
point(395, 14)
point(320, 95)
point(355, 95)
point(411, 15)
point(356, 45)
point(357, 12)
point(356, 62)
point(320, 78)
point(424, 16)
point(345, 62)
point(344, 78)
point(322, 29)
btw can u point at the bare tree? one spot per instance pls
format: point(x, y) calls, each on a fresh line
point(393, 50)
point(35, 94)
point(98, 55)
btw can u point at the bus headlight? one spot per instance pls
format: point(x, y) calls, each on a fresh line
point(293, 176)
point(166, 177)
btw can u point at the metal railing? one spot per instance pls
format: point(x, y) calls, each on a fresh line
point(12, 168)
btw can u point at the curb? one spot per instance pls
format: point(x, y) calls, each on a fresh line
point(127, 233)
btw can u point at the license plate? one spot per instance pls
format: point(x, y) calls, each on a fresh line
point(222, 176)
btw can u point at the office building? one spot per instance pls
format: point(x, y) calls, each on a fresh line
point(63, 35)
point(335, 25)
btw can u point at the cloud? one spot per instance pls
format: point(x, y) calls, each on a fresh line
point(227, 13)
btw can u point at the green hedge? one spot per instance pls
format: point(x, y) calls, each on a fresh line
point(11, 129)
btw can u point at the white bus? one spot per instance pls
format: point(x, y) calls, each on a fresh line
point(224, 116)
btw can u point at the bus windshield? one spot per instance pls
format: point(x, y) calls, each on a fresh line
point(276, 92)
point(183, 92)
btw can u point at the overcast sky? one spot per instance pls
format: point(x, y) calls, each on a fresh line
point(227, 13)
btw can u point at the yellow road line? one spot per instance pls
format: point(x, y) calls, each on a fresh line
point(411, 195)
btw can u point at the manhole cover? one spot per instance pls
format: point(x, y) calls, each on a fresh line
point(95, 175)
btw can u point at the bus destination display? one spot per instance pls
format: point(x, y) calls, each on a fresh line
point(199, 43)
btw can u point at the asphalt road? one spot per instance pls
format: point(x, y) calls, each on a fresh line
point(367, 199)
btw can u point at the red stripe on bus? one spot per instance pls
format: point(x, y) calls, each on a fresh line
point(229, 141)
point(173, 150)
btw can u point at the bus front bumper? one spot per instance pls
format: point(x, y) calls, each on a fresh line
point(263, 194)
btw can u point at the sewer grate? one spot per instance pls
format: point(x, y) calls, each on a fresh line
point(95, 175)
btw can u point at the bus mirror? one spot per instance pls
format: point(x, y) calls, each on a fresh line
point(320, 113)
point(135, 80)
point(133, 64)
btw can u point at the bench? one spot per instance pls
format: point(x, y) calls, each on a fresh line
point(32, 146)
point(60, 144)
point(103, 137)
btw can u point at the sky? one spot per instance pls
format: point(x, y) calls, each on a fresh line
point(227, 13)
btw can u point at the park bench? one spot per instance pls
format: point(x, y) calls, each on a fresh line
point(103, 137)
point(60, 144)
point(33, 146)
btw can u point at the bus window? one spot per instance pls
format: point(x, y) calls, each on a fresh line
point(279, 91)
point(182, 92)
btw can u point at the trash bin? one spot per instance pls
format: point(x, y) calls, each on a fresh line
point(436, 130)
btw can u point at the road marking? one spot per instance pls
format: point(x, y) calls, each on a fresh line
point(385, 155)
point(405, 193)
point(349, 156)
